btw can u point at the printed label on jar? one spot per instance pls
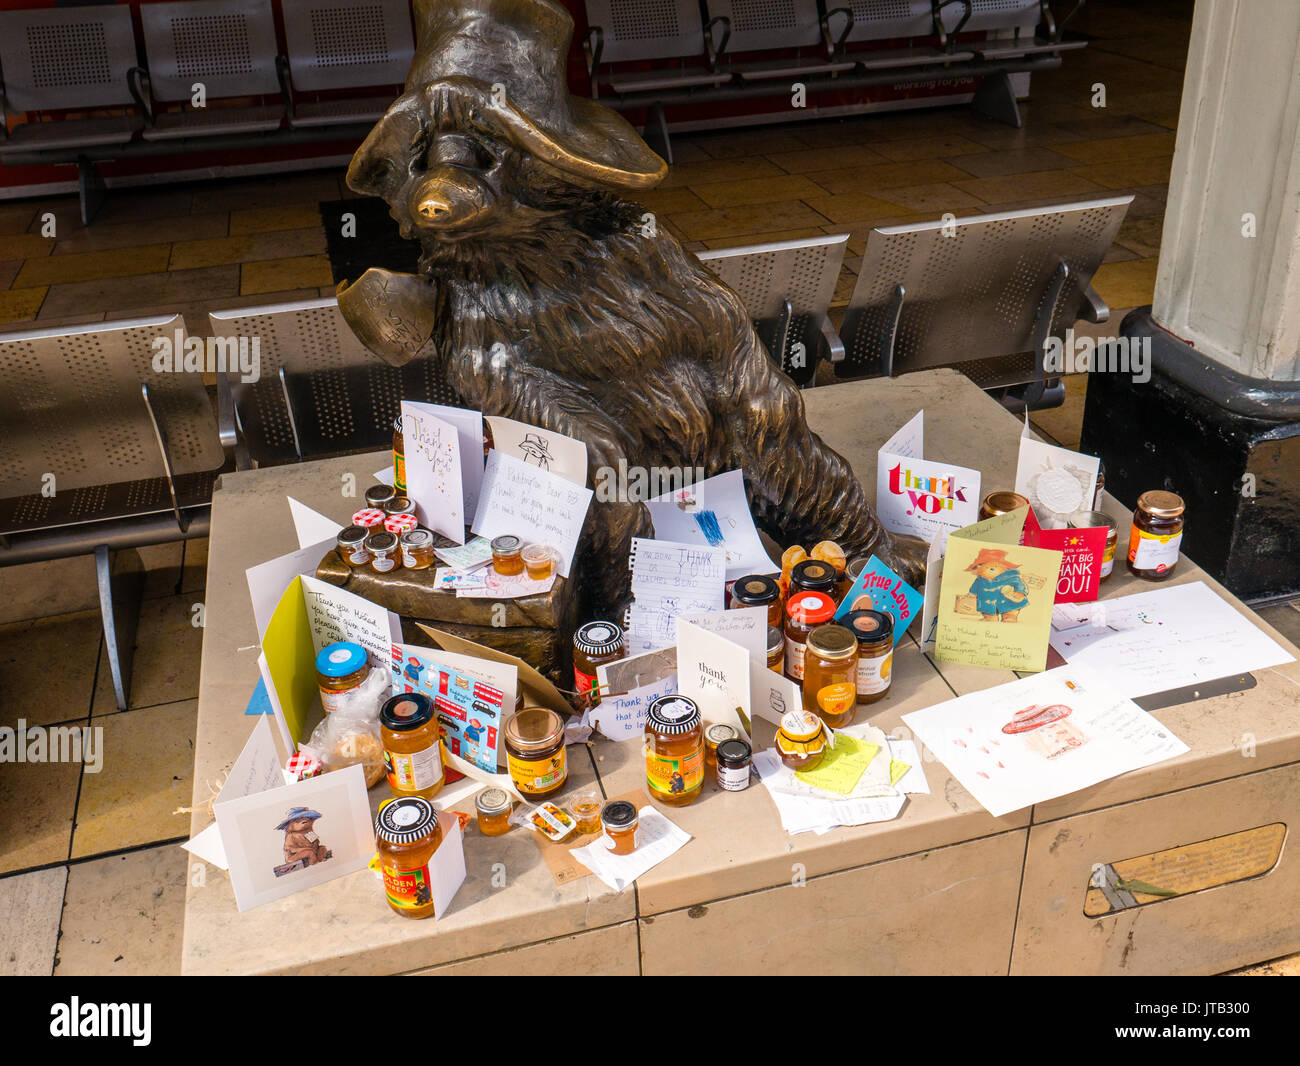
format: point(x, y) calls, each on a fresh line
point(836, 699)
point(537, 775)
point(670, 776)
point(413, 772)
point(583, 682)
point(1146, 551)
point(408, 560)
point(358, 557)
point(399, 472)
point(794, 659)
point(332, 701)
point(873, 674)
point(408, 889)
point(383, 564)
point(733, 778)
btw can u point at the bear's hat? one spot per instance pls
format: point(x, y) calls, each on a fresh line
point(510, 58)
point(992, 555)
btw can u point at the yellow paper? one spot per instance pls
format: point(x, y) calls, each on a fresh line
point(897, 770)
point(843, 764)
point(291, 658)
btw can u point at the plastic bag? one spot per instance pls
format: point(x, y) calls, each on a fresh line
point(350, 733)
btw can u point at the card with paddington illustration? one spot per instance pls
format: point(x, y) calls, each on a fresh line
point(996, 596)
point(1082, 553)
point(878, 588)
point(1056, 481)
point(918, 496)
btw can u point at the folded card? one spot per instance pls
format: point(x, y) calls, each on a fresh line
point(714, 672)
point(917, 496)
point(434, 475)
point(533, 504)
point(878, 588)
point(1081, 557)
point(542, 448)
point(1056, 481)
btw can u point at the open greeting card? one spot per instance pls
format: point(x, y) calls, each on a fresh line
point(444, 468)
point(1056, 482)
point(994, 601)
point(1082, 551)
point(915, 495)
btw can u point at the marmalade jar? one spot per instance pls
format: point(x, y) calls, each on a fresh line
point(805, 611)
point(594, 645)
point(351, 544)
point(619, 819)
point(713, 736)
point(757, 591)
point(674, 750)
point(1156, 535)
point(340, 668)
point(801, 740)
point(399, 456)
point(384, 554)
point(407, 835)
point(1001, 502)
point(507, 555)
point(539, 561)
point(535, 752)
point(493, 807)
point(408, 727)
point(775, 649)
point(378, 495)
point(830, 675)
point(874, 631)
point(417, 549)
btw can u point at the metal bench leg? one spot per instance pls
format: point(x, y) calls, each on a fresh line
point(997, 99)
point(92, 189)
point(121, 585)
point(655, 133)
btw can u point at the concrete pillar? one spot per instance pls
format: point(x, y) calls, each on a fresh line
point(1229, 276)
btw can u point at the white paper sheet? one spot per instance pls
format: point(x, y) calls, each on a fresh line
point(434, 478)
point(1167, 638)
point(914, 781)
point(746, 626)
point(474, 554)
point(543, 448)
point(918, 496)
point(311, 526)
point(810, 813)
point(718, 517)
point(671, 579)
point(657, 839)
point(533, 504)
point(984, 739)
point(267, 581)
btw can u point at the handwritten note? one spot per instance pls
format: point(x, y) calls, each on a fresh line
point(714, 513)
point(842, 765)
point(533, 504)
point(433, 470)
point(335, 615)
point(671, 579)
point(621, 716)
point(474, 553)
point(746, 626)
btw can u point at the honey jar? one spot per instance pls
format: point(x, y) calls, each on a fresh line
point(351, 544)
point(586, 806)
point(874, 631)
point(399, 456)
point(619, 819)
point(507, 555)
point(594, 644)
point(713, 736)
point(757, 591)
point(1002, 502)
point(539, 561)
point(734, 759)
point(378, 495)
point(384, 554)
point(407, 835)
point(804, 611)
point(493, 807)
point(340, 668)
point(1156, 535)
point(674, 750)
point(417, 549)
point(801, 740)
point(775, 649)
point(535, 752)
point(408, 728)
point(813, 575)
point(830, 675)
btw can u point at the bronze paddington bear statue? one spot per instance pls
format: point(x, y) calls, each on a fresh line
point(550, 298)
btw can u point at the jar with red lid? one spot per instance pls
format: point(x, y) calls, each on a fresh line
point(804, 612)
point(397, 524)
point(371, 519)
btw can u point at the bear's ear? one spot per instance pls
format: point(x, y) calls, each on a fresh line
point(381, 165)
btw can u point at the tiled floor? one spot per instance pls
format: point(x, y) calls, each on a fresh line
point(90, 878)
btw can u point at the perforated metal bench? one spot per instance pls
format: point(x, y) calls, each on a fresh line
point(981, 294)
point(772, 25)
point(343, 45)
point(103, 454)
point(787, 288)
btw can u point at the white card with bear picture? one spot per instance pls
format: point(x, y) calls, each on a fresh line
point(714, 672)
point(920, 497)
point(1056, 481)
point(542, 448)
point(532, 504)
point(434, 480)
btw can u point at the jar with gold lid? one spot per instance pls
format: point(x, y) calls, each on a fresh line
point(813, 575)
point(830, 675)
point(378, 495)
point(674, 750)
point(535, 752)
point(1002, 502)
point(1156, 535)
point(399, 505)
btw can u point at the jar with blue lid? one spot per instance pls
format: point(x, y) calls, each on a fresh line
point(340, 669)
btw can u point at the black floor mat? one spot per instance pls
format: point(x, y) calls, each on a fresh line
point(376, 242)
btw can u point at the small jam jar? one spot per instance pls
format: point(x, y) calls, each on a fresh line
point(813, 575)
point(507, 555)
point(996, 503)
point(399, 505)
point(340, 668)
point(713, 736)
point(493, 806)
point(619, 819)
point(874, 631)
point(371, 519)
point(535, 752)
point(407, 834)
point(594, 644)
point(1156, 535)
point(539, 561)
point(384, 554)
point(397, 524)
point(801, 740)
point(399, 456)
point(417, 549)
point(775, 649)
point(378, 495)
point(674, 750)
point(734, 758)
point(351, 544)
point(757, 591)
point(408, 728)
point(830, 672)
point(804, 611)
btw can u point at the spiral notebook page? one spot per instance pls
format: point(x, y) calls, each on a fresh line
point(670, 579)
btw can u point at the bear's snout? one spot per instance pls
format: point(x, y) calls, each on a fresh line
point(449, 197)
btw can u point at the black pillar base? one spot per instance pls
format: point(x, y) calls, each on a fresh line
point(1206, 433)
